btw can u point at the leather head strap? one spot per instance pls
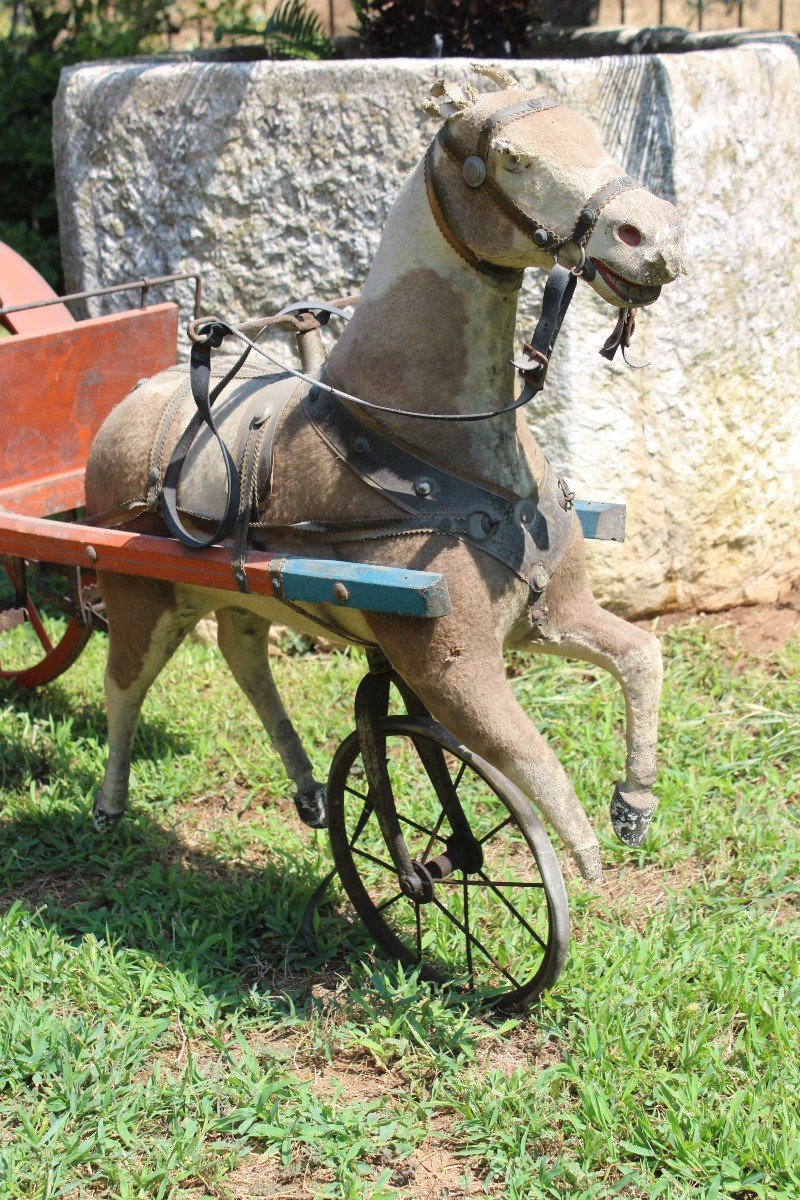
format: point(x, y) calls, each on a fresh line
point(504, 116)
point(475, 172)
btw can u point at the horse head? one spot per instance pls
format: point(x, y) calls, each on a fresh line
point(520, 180)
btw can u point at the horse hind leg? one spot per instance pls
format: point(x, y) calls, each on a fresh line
point(147, 621)
point(244, 641)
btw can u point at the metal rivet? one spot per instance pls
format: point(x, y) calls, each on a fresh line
point(313, 393)
point(446, 524)
point(153, 477)
point(537, 616)
point(474, 171)
point(91, 554)
point(477, 525)
point(340, 593)
point(539, 578)
point(361, 445)
point(525, 511)
point(587, 214)
point(541, 237)
point(261, 417)
point(423, 487)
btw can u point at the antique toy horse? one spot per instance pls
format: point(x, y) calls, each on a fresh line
point(510, 182)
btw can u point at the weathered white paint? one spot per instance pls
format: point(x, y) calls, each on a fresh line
point(276, 179)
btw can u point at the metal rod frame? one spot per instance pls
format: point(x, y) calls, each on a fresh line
point(143, 285)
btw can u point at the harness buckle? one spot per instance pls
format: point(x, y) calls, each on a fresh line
point(534, 370)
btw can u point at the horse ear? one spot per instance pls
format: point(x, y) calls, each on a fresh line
point(449, 99)
point(496, 74)
point(511, 158)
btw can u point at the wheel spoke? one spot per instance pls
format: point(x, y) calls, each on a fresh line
point(460, 775)
point(366, 813)
point(388, 903)
point(478, 945)
point(418, 922)
point(421, 828)
point(515, 883)
point(378, 861)
point(433, 836)
point(497, 828)
point(36, 622)
point(513, 910)
point(469, 935)
point(353, 792)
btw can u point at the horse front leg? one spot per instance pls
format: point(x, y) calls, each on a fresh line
point(576, 626)
point(461, 680)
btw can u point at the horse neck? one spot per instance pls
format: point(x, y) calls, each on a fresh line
point(430, 334)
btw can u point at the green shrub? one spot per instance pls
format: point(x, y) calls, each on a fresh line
point(444, 27)
point(48, 35)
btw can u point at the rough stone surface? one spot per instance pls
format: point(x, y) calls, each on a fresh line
point(275, 179)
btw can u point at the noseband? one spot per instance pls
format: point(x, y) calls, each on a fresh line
point(475, 175)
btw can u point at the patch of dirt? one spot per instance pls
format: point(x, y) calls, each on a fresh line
point(62, 887)
point(634, 893)
point(438, 1174)
point(263, 1175)
point(759, 628)
point(521, 1050)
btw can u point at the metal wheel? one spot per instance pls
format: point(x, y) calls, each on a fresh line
point(496, 921)
point(47, 614)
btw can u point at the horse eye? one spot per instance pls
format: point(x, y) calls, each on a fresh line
point(629, 234)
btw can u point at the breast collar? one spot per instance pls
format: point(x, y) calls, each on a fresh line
point(475, 175)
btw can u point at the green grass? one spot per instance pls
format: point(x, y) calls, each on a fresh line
point(165, 1032)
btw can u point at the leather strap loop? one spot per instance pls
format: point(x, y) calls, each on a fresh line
point(558, 293)
point(200, 379)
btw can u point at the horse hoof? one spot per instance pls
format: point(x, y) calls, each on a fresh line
point(104, 821)
point(631, 821)
point(312, 807)
point(589, 864)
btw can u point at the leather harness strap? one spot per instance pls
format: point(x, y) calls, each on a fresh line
point(445, 218)
point(200, 380)
point(504, 116)
point(528, 536)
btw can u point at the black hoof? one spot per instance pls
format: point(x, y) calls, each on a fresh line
point(630, 823)
point(312, 807)
point(104, 821)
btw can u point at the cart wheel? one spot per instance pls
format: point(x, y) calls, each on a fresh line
point(498, 928)
point(41, 634)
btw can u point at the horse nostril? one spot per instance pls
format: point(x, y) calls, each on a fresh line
point(629, 234)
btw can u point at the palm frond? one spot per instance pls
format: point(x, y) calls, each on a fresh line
point(293, 31)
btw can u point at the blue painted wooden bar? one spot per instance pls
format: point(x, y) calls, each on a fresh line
point(361, 585)
point(600, 521)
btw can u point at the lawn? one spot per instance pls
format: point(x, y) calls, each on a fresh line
point(166, 1033)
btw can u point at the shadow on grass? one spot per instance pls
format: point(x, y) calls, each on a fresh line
point(86, 719)
point(224, 925)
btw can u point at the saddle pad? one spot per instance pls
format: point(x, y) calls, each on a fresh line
point(201, 488)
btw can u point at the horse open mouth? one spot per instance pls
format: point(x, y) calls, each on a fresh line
point(632, 293)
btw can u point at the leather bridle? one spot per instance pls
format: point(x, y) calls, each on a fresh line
point(475, 174)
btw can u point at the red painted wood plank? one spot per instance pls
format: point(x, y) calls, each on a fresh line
point(56, 388)
point(20, 283)
point(129, 553)
point(51, 494)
